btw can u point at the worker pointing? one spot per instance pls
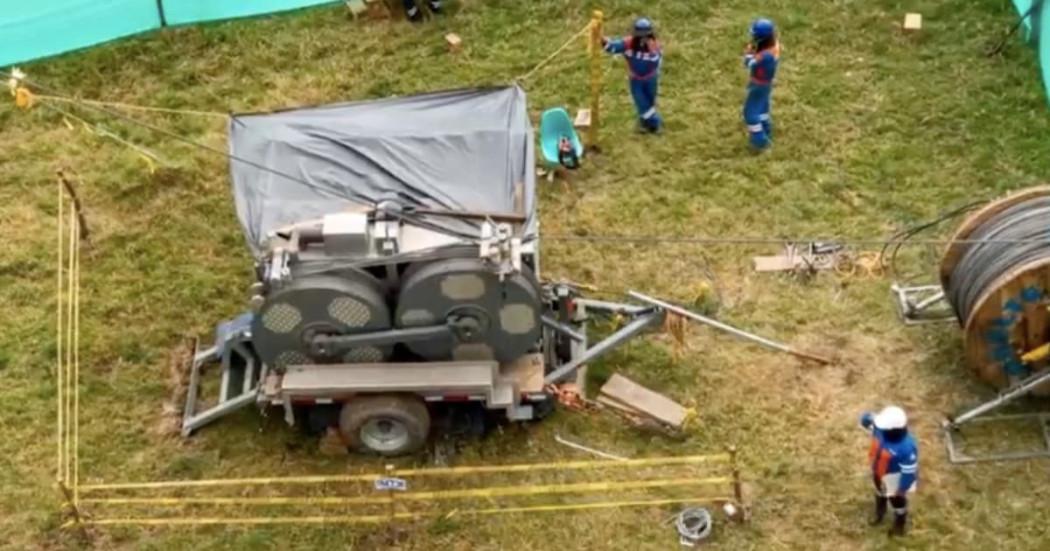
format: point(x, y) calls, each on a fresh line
point(894, 459)
point(644, 57)
point(761, 60)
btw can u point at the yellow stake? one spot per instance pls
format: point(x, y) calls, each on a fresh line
point(595, 49)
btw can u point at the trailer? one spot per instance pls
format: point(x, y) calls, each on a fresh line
point(397, 268)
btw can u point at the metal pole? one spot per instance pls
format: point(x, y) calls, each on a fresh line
point(727, 328)
point(592, 451)
point(1006, 396)
point(597, 29)
point(610, 342)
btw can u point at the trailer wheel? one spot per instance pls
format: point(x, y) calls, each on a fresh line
point(390, 424)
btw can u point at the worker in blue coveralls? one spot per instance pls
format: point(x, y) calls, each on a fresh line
point(415, 14)
point(894, 459)
point(643, 55)
point(761, 59)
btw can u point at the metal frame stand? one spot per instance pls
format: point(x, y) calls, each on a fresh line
point(953, 426)
point(240, 377)
point(921, 304)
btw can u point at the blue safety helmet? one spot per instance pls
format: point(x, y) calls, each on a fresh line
point(643, 27)
point(762, 29)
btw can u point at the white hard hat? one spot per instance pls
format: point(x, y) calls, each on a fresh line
point(890, 418)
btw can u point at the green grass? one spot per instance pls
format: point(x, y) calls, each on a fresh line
point(876, 130)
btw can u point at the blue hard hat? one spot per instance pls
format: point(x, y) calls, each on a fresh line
point(643, 27)
point(762, 29)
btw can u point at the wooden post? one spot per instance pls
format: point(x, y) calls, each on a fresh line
point(78, 520)
point(72, 191)
point(597, 29)
point(738, 487)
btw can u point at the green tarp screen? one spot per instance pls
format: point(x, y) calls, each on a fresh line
point(32, 29)
point(1036, 24)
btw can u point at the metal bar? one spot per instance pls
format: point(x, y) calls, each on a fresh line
point(223, 408)
point(924, 304)
point(564, 329)
point(592, 451)
point(326, 344)
point(1003, 398)
point(192, 387)
point(612, 341)
point(610, 307)
point(728, 328)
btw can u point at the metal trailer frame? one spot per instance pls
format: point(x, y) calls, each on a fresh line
point(921, 304)
point(245, 380)
point(952, 427)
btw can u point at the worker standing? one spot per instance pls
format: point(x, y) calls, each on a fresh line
point(415, 14)
point(644, 57)
point(760, 59)
point(894, 459)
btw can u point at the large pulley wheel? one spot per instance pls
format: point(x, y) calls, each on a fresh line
point(320, 305)
point(490, 319)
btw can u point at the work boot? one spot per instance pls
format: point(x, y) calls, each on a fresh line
point(900, 520)
point(880, 510)
point(414, 14)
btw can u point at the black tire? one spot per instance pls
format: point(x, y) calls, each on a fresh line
point(385, 424)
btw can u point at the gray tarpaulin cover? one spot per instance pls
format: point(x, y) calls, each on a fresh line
point(456, 150)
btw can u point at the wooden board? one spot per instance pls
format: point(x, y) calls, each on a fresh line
point(779, 263)
point(583, 119)
point(618, 405)
point(455, 43)
point(912, 21)
point(650, 403)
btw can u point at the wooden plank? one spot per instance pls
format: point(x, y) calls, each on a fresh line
point(779, 263)
point(583, 119)
point(650, 403)
point(455, 43)
point(913, 21)
point(618, 405)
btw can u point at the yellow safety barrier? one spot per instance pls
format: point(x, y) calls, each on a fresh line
point(501, 491)
point(447, 471)
point(67, 336)
point(378, 519)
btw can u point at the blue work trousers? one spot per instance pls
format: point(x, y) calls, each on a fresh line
point(757, 117)
point(644, 94)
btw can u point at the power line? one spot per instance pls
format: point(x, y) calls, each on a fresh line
point(759, 240)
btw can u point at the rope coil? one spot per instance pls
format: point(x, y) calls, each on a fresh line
point(984, 259)
point(693, 524)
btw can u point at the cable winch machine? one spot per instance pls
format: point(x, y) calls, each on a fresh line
point(995, 283)
point(362, 321)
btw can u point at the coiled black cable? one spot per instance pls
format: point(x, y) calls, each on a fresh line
point(1026, 225)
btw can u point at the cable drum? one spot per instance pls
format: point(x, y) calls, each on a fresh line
point(983, 263)
point(996, 276)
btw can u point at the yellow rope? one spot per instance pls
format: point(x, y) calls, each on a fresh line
point(68, 451)
point(58, 342)
point(499, 491)
point(551, 57)
point(75, 220)
point(376, 519)
point(448, 471)
point(131, 106)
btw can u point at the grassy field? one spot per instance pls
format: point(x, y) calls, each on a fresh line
point(876, 131)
